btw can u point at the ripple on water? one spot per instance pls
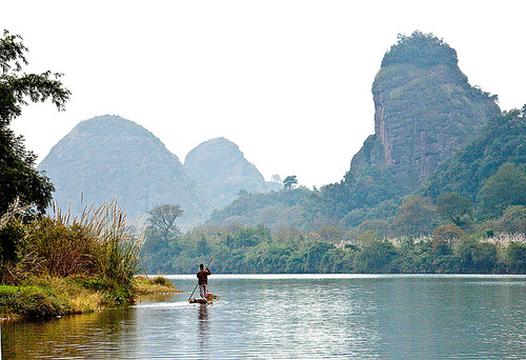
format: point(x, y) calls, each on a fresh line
point(281, 317)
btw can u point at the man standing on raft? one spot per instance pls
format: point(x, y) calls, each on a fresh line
point(202, 280)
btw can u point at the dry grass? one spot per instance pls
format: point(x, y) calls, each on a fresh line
point(86, 301)
point(503, 240)
point(47, 297)
point(15, 210)
point(74, 264)
point(96, 243)
point(143, 285)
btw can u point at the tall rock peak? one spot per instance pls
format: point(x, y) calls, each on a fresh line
point(425, 111)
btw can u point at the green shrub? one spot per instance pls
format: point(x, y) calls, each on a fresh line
point(513, 220)
point(444, 237)
point(58, 249)
point(416, 257)
point(31, 301)
point(11, 236)
point(516, 257)
point(476, 257)
point(92, 283)
point(445, 264)
point(376, 257)
point(160, 280)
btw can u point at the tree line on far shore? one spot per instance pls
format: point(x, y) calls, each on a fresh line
point(443, 241)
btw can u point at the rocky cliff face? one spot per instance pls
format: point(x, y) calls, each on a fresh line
point(221, 170)
point(425, 111)
point(110, 158)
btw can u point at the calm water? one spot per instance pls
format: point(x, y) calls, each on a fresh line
point(347, 317)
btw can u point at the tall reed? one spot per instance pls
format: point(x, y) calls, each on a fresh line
point(95, 243)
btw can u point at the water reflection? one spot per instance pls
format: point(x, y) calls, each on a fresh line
point(202, 325)
point(358, 318)
point(69, 337)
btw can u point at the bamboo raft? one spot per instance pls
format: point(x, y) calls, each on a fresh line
point(209, 300)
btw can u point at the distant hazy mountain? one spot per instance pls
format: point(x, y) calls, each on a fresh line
point(110, 158)
point(221, 170)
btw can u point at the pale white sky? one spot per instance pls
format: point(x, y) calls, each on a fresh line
point(288, 81)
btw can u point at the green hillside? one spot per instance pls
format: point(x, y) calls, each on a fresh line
point(502, 141)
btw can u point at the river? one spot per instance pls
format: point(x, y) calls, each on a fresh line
point(297, 316)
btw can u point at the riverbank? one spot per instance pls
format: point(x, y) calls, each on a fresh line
point(55, 297)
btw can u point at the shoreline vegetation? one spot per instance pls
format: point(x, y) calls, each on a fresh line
point(64, 265)
point(42, 298)
point(258, 249)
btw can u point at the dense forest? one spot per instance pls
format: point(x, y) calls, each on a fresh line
point(447, 236)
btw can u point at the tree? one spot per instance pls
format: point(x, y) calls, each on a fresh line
point(477, 257)
point(359, 190)
point(202, 247)
point(416, 257)
point(454, 207)
point(502, 140)
point(11, 240)
point(330, 233)
point(506, 187)
point(513, 220)
point(444, 237)
point(161, 220)
point(415, 217)
point(18, 175)
point(314, 255)
point(159, 245)
point(420, 49)
point(295, 264)
point(381, 227)
point(516, 257)
point(289, 182)
point(376, 257)
point(247, 237)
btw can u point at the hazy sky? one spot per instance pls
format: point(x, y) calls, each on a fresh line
point(288, 81)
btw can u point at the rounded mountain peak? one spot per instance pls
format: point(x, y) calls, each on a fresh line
point(111, 158)
point(219, 166)
point(219, 144)
point(109, 124)
point(420, 49)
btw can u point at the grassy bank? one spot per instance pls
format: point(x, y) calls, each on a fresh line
point(143, 286)
point(62, 264)
point(50, 297)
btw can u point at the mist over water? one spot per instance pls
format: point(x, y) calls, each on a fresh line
point(307, 316)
